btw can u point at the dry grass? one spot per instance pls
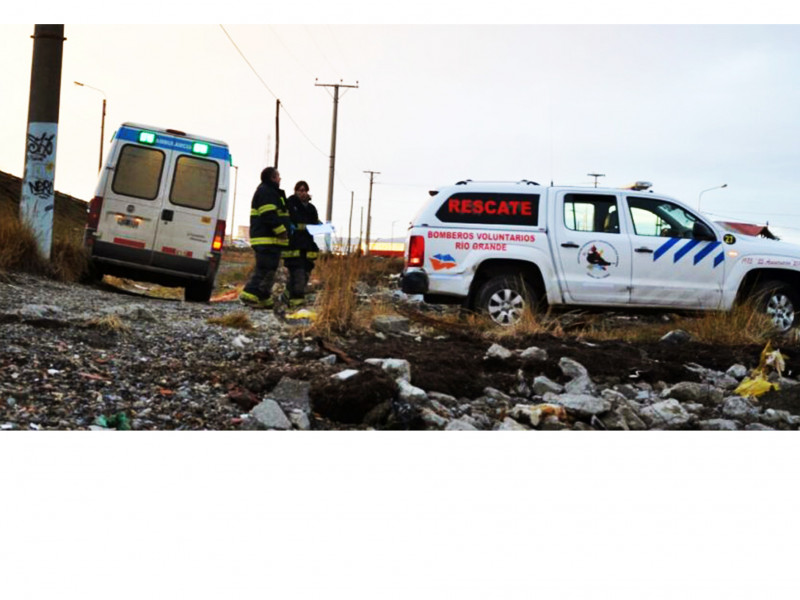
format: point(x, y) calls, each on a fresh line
point(108, 324)
point(237, 320)
point(743, 325)
point(337, 305)
point(69, 261)
point(19, 250)
point(530, 324)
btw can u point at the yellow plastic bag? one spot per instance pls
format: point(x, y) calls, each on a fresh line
point(755, 387)
point(758, 384)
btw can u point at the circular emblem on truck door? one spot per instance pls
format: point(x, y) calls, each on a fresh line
point(130, 208)
point(729, 238)
point(598, 258)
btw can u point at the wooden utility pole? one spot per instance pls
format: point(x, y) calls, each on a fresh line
point(350, 226)
point(38, 189)
point(277, 131)
point(335, 86)
point(369, 206)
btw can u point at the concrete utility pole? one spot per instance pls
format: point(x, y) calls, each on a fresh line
point(369, 206)
point(335, 86)
point(361, 230)
point(38, 190)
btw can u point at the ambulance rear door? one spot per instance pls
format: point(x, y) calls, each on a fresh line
point(195, 201)
point(132, 198)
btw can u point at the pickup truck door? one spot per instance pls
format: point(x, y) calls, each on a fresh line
point(677, 260)
point(592, 247)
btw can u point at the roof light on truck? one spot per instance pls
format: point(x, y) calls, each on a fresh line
point(639, 186)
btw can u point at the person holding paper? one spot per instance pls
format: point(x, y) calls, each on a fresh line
point(303, 250)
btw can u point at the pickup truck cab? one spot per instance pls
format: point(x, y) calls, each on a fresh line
point(502, 248)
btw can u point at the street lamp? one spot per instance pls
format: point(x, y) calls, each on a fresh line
point(102, 121)
point(233, 212)
point(716, 187)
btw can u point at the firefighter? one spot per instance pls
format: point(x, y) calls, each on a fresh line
point(303, 250)
point(269, 237)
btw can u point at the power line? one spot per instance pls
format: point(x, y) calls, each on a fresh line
point(264, 83)
point(289, 50)
point(319, 48)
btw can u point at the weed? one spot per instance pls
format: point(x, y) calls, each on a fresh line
point(109, 324)
point(237, 320)
point(19, 250)
point(69, 261)
point(337, 304)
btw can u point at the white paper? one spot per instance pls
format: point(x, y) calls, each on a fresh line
point(326, 229)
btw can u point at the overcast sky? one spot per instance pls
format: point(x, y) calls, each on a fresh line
point(687, 107)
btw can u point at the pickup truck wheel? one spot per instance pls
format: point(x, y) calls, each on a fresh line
point(504, 299)
point(780, 304)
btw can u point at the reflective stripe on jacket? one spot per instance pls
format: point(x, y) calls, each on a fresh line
point(269, 216)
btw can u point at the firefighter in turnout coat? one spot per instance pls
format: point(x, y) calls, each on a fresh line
point(303, 250)
point(269, 237)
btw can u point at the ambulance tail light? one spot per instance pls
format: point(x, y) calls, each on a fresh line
point(219, 236)
point(95, 208)
point(416, 251)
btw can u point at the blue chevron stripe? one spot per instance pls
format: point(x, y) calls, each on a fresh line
point(718, 259)
point(687, 247)
point(705, 251)
point(664, 248)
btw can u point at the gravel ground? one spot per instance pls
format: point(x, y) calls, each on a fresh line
point(74, 356)
point(83, 357)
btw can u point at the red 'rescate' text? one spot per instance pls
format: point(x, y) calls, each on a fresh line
point(490, 207)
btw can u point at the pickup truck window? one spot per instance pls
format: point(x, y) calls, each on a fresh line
point(658, 218)
point(591, 212)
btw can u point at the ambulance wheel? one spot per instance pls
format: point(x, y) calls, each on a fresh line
point(505, 299)
point(198, 292)
point(93, 274)
point(780, 303)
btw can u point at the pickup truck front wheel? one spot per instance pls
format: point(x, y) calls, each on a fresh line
point(505, 298)
point(780, 303)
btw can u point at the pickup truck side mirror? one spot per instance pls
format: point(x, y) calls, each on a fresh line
point(703, 232)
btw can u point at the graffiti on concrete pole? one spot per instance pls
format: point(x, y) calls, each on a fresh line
point(38, 190)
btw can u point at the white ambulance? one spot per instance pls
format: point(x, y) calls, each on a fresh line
point(502, 248)
point(159, 209)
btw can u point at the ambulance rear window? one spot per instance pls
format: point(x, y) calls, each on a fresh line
point(138, 172)
point(490, 209)
point(195, 182)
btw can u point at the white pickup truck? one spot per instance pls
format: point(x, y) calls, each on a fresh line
point(501, 248)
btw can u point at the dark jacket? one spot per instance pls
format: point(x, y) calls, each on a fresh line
point(302, 214)
point(269, 216)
